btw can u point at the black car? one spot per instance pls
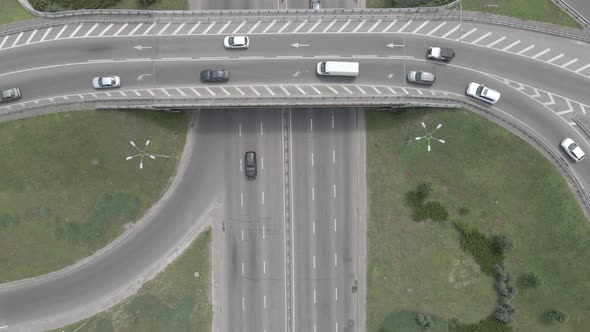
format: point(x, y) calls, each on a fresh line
point(250, 165)
point(214, 75)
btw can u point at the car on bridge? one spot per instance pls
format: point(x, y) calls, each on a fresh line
point(107, 82)
point(10, 95)
point(421, 77)
point(250, 165)
point(572, 149)
point(482, 93)
point(214, 75)
point(236, 42)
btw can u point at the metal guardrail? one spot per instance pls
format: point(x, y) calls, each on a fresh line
point(572, 12)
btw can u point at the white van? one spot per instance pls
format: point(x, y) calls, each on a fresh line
point(338, 68)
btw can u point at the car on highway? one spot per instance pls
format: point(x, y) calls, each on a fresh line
point(421, 77)
point(572, 149)
point(482, 93)
point(9, 95)
point(106, 82)
point(440, 53)
point(236, 42)
point(214, 75)
point(250, 166)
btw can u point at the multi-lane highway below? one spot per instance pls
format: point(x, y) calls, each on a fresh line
point(290, 246)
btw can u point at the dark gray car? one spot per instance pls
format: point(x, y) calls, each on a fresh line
point(214, 75)
point(250, 166)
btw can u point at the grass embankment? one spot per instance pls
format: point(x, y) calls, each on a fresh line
point(158, 5)
point(506, 186)
point(67, 190)
point(535, 10)
point(176, 300)
point(11, 11)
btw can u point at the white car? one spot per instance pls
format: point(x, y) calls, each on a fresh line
point(236, 42)
point(480, 92)
point(572, 149)
point(108, 82)
point(422, 77)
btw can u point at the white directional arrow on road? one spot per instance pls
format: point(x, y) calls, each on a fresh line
point(392, 45)
point(141, 47)
point(297, 45)
point(140, 77)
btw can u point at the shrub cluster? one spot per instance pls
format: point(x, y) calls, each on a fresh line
point(480, 247)
point(414, 3)
point(504, 309)
point(423, 210)
point(425, 321)
point(558, 316)
point(531, 279)
point(60, 5)
point(490, 324)
point(502, 244)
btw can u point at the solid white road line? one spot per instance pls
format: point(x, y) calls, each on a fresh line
point(314, 26)
point(263, 198)
point(314, 297)
point(269, 26)
point(262, 162)
point(264, 266)
point(121, 29)
point(336, 259)
point(312, 159)
point(436, 29)
point(311, 125)
point(404, 91)
point(106, 30)
point(135, 29)
point(346, 89)
point(555, 58)
point(165, 92)
point(335, 229)
point(359, 26)
point(336, 293)
point(361, 90)
point(375, 89)
point(404, 26)
point(541, 53)
point(313, 227)
point(299, 26)
point(334, 91)
point(313, 193)
point(300, 90)
point(526, 49)
point(240, 129)
point(332, 122)
point(242, 204)
point(91, 30)
point(334, 190)
point(223, 27)
point(451, 31)
point(44, 35)
point(31, 36)
point(333, 154)
point(242, 234)
point(316, 90)
point(180, 92)
point(242, 268)
point(284, 90)
point(263, 232)
point(243, 304)
point(284, 26)
point(210, 91)
point(421, 26)
point(264, 300)
point(261, 131)
point(511, 45)
point(238, 28)
point(329, 25)
point(225, 91)
point(569, 63)
point(179, 28)
point(481, 38)
point(17, 39)
point(190, 32)
point(314, 262)
point(389, 26)
point(240, 170)
point(208, 28)
point(344, 26)
point(496, 41)
point(581, 68)
point(374, 26)
point(254, 27)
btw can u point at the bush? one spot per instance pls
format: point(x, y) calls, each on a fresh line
point(531, 279)
point(503, 315)
point(490, 324)
point(502, 244)
point(480, 247)
point(40, 5)
point(558, 316)
point(436, 211)
point(147, 2)
point(424, 190)
point(425, 321)
point(463, 211)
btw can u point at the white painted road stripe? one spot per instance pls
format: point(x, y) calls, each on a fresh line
point(165, 92)
point(481, 38)
point(254, 27)
point(210, 91)
point(316, 90)
point(190, 32)
point(389, 26)
point(284, 26)
point(224, 91)
point(468, 33)
point(285, 90)
point(179, 28)
point(511, 45)
point(361, 90)
point(3, 41)
point(31, 36)
point(346, 89)
point(195, 91)
point(496, 41)
point(582, 68)
point(135, 29)
point(526, 49)
point(269, 90)
point(254, 90)
point(299, 26)
point(404, 26)
point(17, 39)
point(344, 26)
point(239, 27)
point(359, 26)
point(436, 29)
point(223, 27)
point(208, 28)
point(180, 92)
point(240, 91)
point(569, 63)
point(106, 30)
point(334, 91)
point(164, 28)
point(121, 29)
point(300, 90)
point(44, 35)
point(270, 25)
point(91, 30)
point(330, 25)
point(541, 53)
point(149, 29)
point(421, 26)
point(451, 31)
point(314, 26)
point(555, 58)
point(374, 26)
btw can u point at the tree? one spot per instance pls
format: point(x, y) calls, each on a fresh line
point(147, 3)
point(501, 244)
point(532, 279)
point(559, 316)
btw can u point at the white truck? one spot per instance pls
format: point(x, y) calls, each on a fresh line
point(337, 68)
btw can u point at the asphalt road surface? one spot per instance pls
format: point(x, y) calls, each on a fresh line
point(543, 80)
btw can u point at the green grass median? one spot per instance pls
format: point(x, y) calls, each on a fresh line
point(178, 299)
point(67, 189)
point(491, 181)
point(11, 11)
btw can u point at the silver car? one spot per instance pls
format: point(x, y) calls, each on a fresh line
point(572, 149)
point(236, 42)
point(107, 82)
point(422, 77)
point(9, 94)
point(482, 93)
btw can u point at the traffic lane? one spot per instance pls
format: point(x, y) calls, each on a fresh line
point(303, 221)
point(58, 300)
